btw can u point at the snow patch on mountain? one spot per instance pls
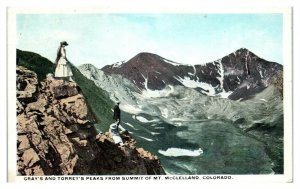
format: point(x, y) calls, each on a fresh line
point(130, 108)
point(178, 119)
point(149, 93)
point(221, 73)
point(118, 64)
point(144, 120)
point(130, 125)
point(177, 152)
point(154, 133)
point(164, 112)
point(223, 93)
point(194, 69)
point(261, 73)
point(148, 139)
point(171, 62)
point(190, 83)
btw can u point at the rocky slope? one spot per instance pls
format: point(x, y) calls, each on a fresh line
point(56, 136)
point(152, 113)
point(182, 103)
point(42, 66)
point(118, 87)
point(239, 75)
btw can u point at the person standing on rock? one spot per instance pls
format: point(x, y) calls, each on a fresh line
point(117, 114)
point(63, 69)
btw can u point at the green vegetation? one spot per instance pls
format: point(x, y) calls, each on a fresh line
point(97, 99)
point(32, 61)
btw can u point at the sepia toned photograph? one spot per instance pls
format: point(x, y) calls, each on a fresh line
point(183, 95)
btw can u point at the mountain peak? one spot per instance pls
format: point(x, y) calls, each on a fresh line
point(149, 70)
point(145, 58)
point(241, 73)
point(242, 49)
point(243, 52)
point(146, 54)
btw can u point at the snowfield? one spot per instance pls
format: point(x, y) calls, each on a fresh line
point(177, 152)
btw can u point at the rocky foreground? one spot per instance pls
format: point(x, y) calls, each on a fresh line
point(56, 136)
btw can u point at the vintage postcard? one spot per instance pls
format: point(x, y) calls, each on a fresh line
point(162, 94)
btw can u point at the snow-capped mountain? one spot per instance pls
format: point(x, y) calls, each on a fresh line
point(179, 97)
point(239, 75)
point(176, 110)
point(175, 104)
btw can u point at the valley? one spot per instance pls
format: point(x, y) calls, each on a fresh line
point(229, 123)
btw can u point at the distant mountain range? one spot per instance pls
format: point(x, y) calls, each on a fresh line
point(239, 75)
point(175, 110)
point(172, 107)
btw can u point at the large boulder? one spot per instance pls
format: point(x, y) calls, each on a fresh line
point(27, 84)
point(62, 89)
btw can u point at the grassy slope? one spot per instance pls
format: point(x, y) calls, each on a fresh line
point(32, 61)
point(97, 99)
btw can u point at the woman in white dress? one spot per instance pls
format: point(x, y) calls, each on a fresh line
point(63, 69)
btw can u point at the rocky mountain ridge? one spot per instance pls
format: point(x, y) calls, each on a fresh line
point(167, 103)
point(178, 120)
point(239, 75)
point(56, 136)
point(258, 115)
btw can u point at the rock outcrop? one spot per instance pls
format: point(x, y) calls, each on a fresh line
point(126, 159)
point(56, 136)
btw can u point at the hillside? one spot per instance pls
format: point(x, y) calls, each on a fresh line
point(98, 99)
point(175, 111)
point(102, 105)
point(40, 65)
point(56, 134)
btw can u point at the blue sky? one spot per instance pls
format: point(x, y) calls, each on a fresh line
point(103, 39)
